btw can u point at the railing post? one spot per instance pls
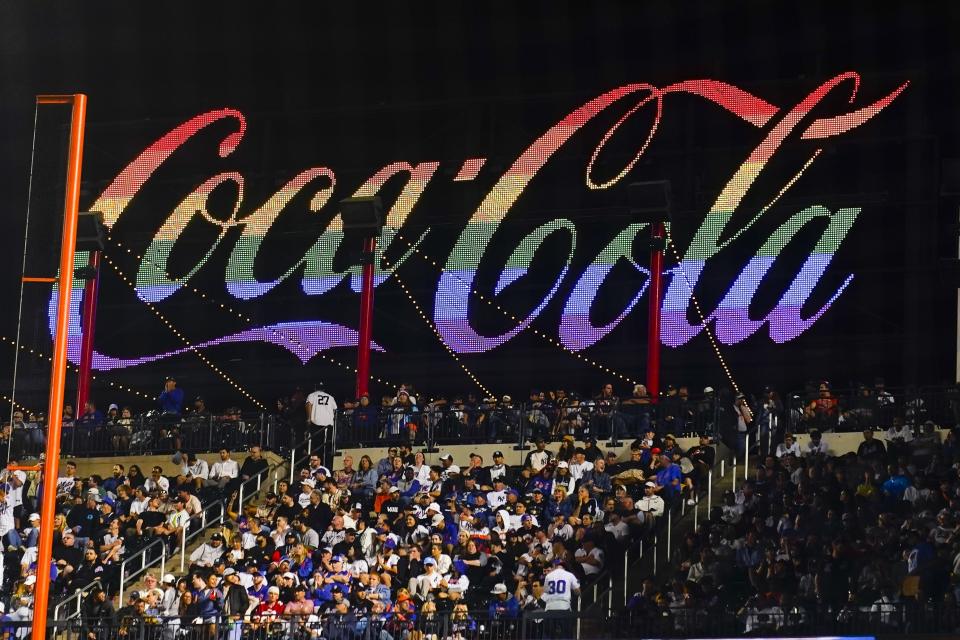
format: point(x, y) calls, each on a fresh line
point(734, 478)
point(240, 497)
point(746, 456)
point(210, 433)
point(723, 468)
point(610, 594)
point(710, 491)
point(293, 462)
point(163, 560)
point(183, 541)
point(656, 543)
point(123, 572)
point(669, 531)
point(696, 509)
point(626, 573)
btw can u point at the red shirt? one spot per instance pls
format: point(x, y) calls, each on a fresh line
point(270, 610)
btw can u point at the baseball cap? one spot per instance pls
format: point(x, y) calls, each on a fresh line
point(499, 588)
point(562, 464)
point(394, 490)
point(273, 590)
point(230, 571)
point(288, 575)
point(498, 454)
point(390, 543)
point(453, 469)
point(30, 580)
point(309, 482)
point(429, 561)
point(437, 520)
point(34, 516)
point(433, 506)
point(337, 558)
point(650, 484)
point(169, 579)
point(446, 456)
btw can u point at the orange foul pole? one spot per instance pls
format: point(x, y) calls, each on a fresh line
point(51, 466)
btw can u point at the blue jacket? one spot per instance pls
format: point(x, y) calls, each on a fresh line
point(508, 608)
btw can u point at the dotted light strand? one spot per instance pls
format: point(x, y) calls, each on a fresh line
point(427, 321)
point(184, 339)
point(508, 314)
point(73, 367)
point(700, 314)
point(16, 405)
point(241, 315)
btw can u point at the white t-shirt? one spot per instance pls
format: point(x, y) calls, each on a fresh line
point(322, 408)
point(596, 554)
point(558, 586)
point(6, 518)
point(577, 469)
point(15, 494)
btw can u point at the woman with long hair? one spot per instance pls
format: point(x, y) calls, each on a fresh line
point(365, 481)
point(135, 477)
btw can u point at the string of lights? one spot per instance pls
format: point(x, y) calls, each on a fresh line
point(242, 316)
point(183, 338)
point(686, 280)
point(703, 320)
point(16, 405)
point(536, 331)
point(73, 367)
point(453, 354)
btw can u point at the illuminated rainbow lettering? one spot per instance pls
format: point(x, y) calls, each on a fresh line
point(454, 290)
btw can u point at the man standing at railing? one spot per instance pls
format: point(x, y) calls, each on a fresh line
point(171, 398)
point(321, 409)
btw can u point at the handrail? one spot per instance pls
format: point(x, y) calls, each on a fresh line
point(207, 519)
point(145, 563)
point(78, 595)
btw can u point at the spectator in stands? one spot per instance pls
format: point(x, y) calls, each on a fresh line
point(223, 471)
point(170, 400)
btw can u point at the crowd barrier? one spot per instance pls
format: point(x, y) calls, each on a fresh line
point(888, 619)
point(498, 421)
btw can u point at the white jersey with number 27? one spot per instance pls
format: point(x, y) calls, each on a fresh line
point(558, 586)
point(322, 408)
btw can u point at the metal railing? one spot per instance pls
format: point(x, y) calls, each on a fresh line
point(520, 423)
point(865, 408)
point(153, 433)
point(69, 607)
point(887, 619)
point(146, 559)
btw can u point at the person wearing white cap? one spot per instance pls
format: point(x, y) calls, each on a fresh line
point(307, 487)
point(31, 535)
point(421, 585)
point(169, 604)
point(650, 505)
point(502, 606)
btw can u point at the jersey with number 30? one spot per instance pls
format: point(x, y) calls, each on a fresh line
point(558, 586)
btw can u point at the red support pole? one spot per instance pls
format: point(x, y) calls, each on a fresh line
point(58, 368)
point(366, 316)
point(88, 319)
point(657, 236)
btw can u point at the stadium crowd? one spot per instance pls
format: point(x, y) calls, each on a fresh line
point(815, 541)
point(397, 547)
point(392, 547)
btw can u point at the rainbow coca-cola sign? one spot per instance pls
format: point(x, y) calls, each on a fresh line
point(774, 127)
